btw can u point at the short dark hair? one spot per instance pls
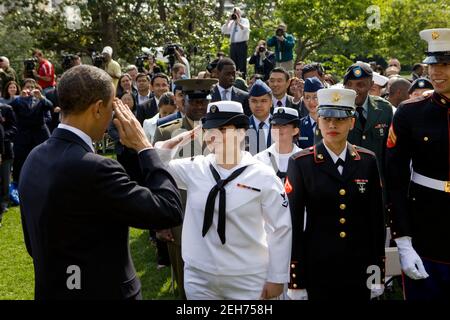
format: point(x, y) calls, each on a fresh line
point(416, 66)
point(281, 70)
point(167, 98)
point(140, 75)
point(224, 62)
point(160, 75)
point(81, 86)
point(310, 67)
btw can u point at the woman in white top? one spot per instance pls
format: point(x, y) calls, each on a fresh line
point(166, 106)
point(236, 237)
point(285, 130)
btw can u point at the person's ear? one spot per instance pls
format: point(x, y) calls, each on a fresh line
point(296, 131)
point(97, 109)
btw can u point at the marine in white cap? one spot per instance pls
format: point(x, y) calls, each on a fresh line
point(336, 205)
point(418, 178)
point(237, 227)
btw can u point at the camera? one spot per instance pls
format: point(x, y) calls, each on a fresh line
point(140, 61)
point(98, 60)
point(233, 16)
point(30, 65)
point(169, 50)
point(68, 61)
point(262, 49)
point(280, 32)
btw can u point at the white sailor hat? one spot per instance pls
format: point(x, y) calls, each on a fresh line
point(283, 115)
point(438, 45)
point(336, 103)
point(380, 80)
point(222, 113)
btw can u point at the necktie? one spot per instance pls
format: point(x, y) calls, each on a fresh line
point(279, 103)
point(233, 33)
point(209, 208)
point(225, 95)
point(261, 143)
point(361, 117)
point(339, 163)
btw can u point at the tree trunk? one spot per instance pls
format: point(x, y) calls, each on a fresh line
point(108, 27)
point(162, 10)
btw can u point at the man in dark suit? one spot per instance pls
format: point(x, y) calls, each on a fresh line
point(225, 91)
point(279, 83)
point(160, 85)
point(77, 206)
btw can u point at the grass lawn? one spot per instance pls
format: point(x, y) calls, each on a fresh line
point(16, 266)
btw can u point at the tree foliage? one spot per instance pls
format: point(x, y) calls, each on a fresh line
point(333, 31)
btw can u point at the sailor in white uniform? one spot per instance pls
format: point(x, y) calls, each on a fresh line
point(237, 235)
point(285, 130)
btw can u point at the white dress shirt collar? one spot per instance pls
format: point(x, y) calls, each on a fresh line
point(83, 136)
point(221, 90)
point(283, 101)
point(334, 156)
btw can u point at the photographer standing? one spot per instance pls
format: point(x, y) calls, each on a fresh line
point(263, 59)
point(284, 47)
point(238, 29)
point(112, 67)
point(45, 76)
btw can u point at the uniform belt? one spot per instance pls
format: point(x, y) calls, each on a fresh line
point(430, 182)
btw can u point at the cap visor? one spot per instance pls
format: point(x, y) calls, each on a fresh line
point(284, 121)
point(334, 113)
point(240, 120)
point(437, 59)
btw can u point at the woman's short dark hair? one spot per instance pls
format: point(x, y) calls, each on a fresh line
point(167, 99)
point(82, 86)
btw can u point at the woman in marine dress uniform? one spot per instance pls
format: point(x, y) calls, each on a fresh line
point(236, 238)
point(335, 187)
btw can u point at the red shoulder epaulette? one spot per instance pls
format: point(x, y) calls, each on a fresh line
point(364, 150)
point(303, 153)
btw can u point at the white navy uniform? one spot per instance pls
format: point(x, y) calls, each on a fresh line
point(258, 224)
point(278, 162)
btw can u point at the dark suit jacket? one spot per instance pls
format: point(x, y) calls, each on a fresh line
point(307, 133)
point(146, 110)
point(76, 209)
point(237, 95)
point(8, 121)
point(31, 121)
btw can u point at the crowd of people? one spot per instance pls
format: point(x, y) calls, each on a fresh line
point(281, 185)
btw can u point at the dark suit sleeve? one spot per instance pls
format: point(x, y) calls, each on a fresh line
point(253, 59)
point(154, 205)
point(296, 192)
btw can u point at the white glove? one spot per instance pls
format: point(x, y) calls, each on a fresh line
point(410, 261)
point(376, 290)
point(297, 294)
